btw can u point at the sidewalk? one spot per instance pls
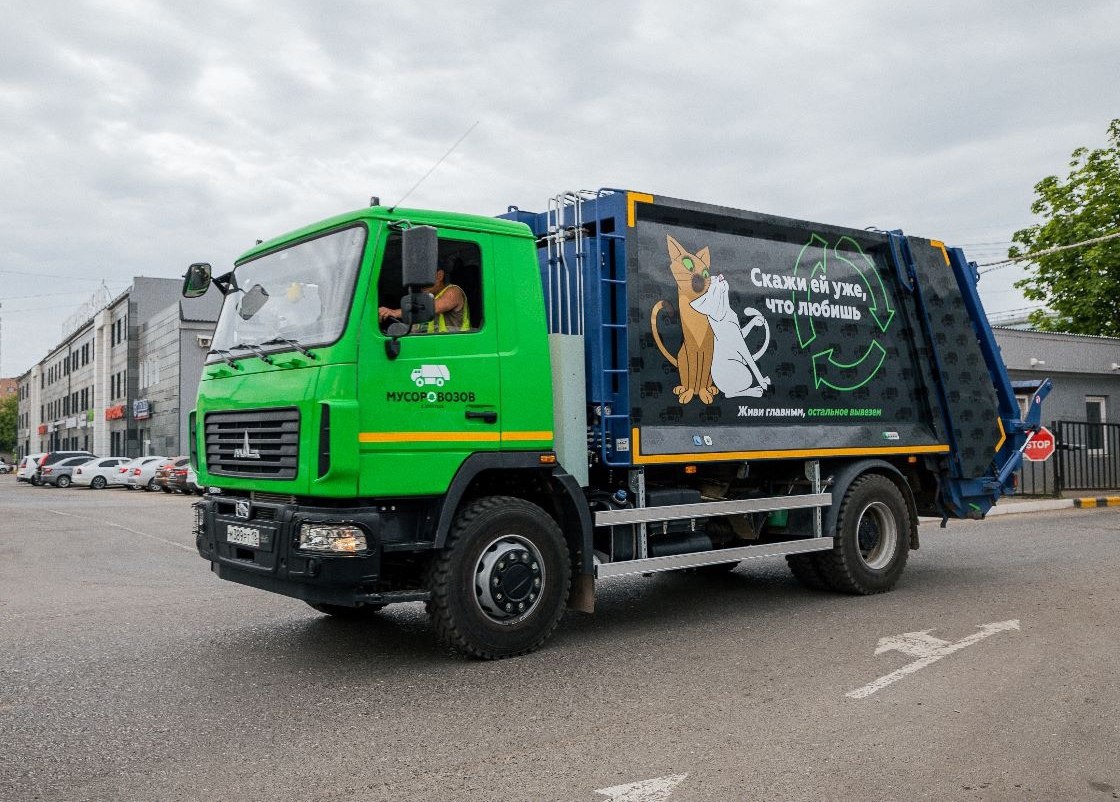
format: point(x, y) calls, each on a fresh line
point(1019, 504)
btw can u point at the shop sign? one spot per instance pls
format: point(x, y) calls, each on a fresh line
point(89, 416)
point(141, 409)
point(114, 413)
point(42, 428)
point(71, 423)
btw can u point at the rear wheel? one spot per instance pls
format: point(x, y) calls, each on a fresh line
point(151, 485)
point(63, 481)
point(872, 539)
point(500, 585)
point(806, 570)
point(97, 483)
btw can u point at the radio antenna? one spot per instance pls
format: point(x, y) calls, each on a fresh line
point(432, 169)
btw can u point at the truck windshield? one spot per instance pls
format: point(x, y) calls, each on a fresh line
point(301, 293)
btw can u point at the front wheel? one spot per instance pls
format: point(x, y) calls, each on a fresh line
point(501, 583)
point(98, 483)
point(872, 539)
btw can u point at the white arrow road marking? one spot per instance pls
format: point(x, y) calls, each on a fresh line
point(927, 649)
point(655, 790)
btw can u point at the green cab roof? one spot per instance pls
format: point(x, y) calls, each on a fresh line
point(444, 220)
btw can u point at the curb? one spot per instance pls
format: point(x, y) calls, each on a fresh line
point(1103, 501)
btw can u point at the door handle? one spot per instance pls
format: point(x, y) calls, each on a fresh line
point(487, 416)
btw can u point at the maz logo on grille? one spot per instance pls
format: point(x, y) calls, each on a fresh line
point(259, 442)
point(246, 451)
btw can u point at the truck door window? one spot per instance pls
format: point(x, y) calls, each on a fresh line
point(459, 265)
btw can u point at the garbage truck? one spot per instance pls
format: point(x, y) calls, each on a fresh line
point(635, 384)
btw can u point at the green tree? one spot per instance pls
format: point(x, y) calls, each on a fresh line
point(9, 410)
point(1081, 286)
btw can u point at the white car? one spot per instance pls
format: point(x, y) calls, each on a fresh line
point(27, 466)
point(142, 472)
point(99, 473)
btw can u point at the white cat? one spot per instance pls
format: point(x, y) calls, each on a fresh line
point(734, 368)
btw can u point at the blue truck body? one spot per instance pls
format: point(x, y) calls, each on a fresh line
point(906, 306)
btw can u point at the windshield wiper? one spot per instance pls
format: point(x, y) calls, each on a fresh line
point(256, 349)
point(225, 356)
point(303, 349)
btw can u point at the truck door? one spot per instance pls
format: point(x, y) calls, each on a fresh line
point(424, 412)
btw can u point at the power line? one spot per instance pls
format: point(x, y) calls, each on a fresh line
point(1028, 257)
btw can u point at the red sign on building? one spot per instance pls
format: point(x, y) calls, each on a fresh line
point(114, 413)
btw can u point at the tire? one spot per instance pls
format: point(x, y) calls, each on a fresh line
point(872, 539)
point(63, 481)
point(342, 611)
point(805, 570)
point(500, 585)
point(151, 486)
point(97, 483)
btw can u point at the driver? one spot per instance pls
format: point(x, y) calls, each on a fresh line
point(452, 311)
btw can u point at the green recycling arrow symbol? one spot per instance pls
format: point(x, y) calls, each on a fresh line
point(830, 372)
point(806, 331)
point(827, 369)
point(882, 318)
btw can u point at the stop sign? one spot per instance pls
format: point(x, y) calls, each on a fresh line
point(1040, 447)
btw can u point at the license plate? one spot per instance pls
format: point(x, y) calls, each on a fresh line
point(244, 535)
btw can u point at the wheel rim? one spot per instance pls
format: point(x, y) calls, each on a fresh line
point(877, 535)
point(509, 579)
point(98, 482)
point(63, 481)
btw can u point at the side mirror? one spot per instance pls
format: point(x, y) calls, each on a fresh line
point(419, 253)
point(417, 307)
point(196, 281)
point(254, 299)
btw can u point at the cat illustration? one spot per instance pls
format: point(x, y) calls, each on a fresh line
point(693, 361)
point(734, 368)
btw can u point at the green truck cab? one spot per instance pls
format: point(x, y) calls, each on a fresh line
point(363, 447)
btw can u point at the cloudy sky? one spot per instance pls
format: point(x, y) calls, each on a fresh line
point(137, 137)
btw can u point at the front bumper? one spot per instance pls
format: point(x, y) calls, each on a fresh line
point(279, 566)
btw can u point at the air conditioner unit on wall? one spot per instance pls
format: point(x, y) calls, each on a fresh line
point(204, 341)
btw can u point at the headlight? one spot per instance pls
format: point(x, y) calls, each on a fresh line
point(344, 538)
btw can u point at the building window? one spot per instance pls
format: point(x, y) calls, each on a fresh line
point(1095, 418)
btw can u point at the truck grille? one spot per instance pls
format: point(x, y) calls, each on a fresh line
point(263, 442)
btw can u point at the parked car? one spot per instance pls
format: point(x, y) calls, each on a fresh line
point(190, 483)
point(100, 473)
point(51, 457)
point(27, 466)
point(142, 473)
point(5, 467)
point(165, 471)
point(59, 473)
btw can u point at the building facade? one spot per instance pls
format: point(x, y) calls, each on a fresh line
point(123, 383)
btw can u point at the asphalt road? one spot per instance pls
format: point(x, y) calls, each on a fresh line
point(129, 672)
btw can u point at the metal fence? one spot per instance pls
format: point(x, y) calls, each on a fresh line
point(1087, 458)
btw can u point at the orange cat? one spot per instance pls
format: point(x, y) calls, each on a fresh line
point(694, 361)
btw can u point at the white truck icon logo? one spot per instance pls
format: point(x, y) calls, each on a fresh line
point(431, 374)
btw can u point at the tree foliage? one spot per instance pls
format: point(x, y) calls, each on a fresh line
point(9, 411)
point(1081, 286)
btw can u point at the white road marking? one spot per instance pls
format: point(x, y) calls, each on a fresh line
point(655, 790)
point(927, 649)
point(125, 528)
